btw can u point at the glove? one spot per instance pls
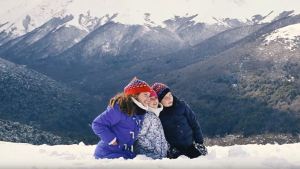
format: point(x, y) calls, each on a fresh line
point(173, 153)
point(201, 148)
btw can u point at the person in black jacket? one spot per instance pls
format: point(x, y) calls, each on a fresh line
point(181, 127)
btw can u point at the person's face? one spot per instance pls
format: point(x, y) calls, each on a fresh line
point(144, 98)
point(153, 102)
point(167, 101)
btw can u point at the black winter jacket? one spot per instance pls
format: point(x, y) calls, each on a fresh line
point(180, 125)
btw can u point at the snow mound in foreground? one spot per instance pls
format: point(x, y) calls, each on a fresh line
point(21, 155)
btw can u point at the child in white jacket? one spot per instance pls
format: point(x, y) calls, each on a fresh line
point(151, 139)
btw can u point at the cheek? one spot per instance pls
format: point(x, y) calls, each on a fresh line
point(170, 102)
point(164, 102)
point(152, 103)
point(140, 99)
point(146, 99)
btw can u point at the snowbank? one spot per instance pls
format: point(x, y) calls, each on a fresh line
point(21, 155)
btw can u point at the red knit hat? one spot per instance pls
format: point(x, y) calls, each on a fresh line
point(136, 86)
point(160, 89)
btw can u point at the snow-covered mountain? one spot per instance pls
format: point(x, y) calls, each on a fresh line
point(20, 17)
point(191, 20)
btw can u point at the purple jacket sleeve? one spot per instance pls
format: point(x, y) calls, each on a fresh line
point(104, 122)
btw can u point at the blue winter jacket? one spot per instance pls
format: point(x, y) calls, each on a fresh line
point(180, 125)
point(113, 123)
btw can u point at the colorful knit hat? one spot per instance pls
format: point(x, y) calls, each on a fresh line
point(136, 86)
point(161, 90)
point(153, 94)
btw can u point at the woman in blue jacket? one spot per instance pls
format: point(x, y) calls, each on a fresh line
point(181, 127)
point(119, 125)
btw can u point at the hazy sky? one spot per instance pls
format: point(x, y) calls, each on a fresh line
point(131, 10)
point(205, 8)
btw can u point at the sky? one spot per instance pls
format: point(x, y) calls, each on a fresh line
point(167, 8)
point(205, 8)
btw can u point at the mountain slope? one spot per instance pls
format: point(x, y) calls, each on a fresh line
point(32, 98)
point(16, 49)
point(20, 133)
point(239, 73)
point(250, 88)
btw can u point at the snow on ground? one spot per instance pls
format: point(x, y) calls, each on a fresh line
point(25, 156)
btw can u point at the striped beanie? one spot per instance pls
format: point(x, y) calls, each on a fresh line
point(161, 90)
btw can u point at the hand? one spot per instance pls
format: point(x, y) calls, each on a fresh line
point(173, 153)
point(201, 148)
point(114, 143)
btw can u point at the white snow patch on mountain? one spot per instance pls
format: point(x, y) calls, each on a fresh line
point(288, 35)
